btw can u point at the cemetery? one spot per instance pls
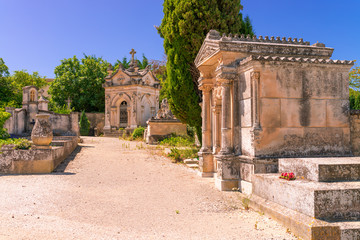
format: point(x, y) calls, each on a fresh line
point(271, 122)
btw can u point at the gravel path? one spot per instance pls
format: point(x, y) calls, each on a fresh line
point(112, 189)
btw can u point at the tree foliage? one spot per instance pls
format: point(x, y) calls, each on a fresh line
point(81, 82)
point(84, 124)
point(11, 85)
point(184, 28)
point(158, 67)
point(126, 63)
point(354, 77)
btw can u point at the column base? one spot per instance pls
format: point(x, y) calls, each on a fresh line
point(205, 174)
point(226, 185)
point(206, 162)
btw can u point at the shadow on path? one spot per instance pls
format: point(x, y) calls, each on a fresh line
point(60, 170)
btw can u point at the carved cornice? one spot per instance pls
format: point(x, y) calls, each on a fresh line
point(265, 46)
point(295, 59)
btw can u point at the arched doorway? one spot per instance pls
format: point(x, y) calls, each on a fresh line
point(123, 115)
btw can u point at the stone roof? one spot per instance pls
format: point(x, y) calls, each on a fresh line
point(294, 59)
point(244, 46)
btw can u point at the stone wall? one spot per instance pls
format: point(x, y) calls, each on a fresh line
point(62, 124)
point(355, 131)
point(15, 161)
point(97, 123)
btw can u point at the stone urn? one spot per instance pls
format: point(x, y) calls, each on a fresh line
point(42, 134)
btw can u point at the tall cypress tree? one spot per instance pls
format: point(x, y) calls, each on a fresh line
point(184, 28)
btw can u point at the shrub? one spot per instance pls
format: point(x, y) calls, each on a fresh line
point(178, 141)
point(181, 154)
point(19, 143)
point(84, 125)
point(3, 117)
point(138, 133)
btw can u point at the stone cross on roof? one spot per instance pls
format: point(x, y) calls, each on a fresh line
point(133, 52)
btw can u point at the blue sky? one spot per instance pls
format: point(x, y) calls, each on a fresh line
point(35, 35)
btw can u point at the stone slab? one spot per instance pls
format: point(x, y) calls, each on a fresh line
point(328, 201)
point(323, 169)
point(302, 225)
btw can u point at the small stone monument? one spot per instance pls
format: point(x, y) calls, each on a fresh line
point(42, 134)
point(163, 125)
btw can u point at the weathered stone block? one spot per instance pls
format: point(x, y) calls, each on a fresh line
point(323, 169)
point(337, 112)
point(279, 142)
point(327, 201)
point(270, 113)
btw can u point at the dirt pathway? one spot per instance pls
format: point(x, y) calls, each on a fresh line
point(112, 189)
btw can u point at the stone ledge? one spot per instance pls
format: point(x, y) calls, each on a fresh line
point(337, 201)
point(36, 161)
point(323, 169)
point(301, 225)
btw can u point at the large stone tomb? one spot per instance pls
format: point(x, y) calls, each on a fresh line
point(271, 105)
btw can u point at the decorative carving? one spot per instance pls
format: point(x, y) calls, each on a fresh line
point(206, 88)
point(164, 112)
point(255, 78)
point(295, 59)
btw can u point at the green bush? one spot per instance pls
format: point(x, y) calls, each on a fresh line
point(138, 133)
point(178, 141)
point(3, 117)
point(354, 98)
point(181, 154)
point(19, 143)
point(84, 124)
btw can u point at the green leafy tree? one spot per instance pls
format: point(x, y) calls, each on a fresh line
point(6, 87)
point(84, 124)
point(184, 28)
point(11, 85)
point(21, 79)
point(81, 82)
point(159, 70)
point(354, 77)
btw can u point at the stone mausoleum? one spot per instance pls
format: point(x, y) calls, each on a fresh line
point(273, 105)
point(265, 98)
point(131, 97)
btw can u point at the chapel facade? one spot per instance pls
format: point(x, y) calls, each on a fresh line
point(131, 97)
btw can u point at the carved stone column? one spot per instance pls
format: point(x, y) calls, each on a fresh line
point(206, 158)
point(226, 147)
point(217, 129)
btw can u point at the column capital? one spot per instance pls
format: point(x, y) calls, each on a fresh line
point(206, 88)
point(255, 75)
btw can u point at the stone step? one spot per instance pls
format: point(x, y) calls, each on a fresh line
point(336, 201)
point(192, 165)
point(191, 161)
point(323, 169)
point(302, 225)
point(349, 230)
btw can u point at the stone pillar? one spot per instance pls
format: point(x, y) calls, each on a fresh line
point(255, 78)
point(226, 141)
point(216, 129)
point(206, 157)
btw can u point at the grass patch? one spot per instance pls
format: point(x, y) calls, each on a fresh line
point(179, 155)
point(19, 143)
point(178, 141)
